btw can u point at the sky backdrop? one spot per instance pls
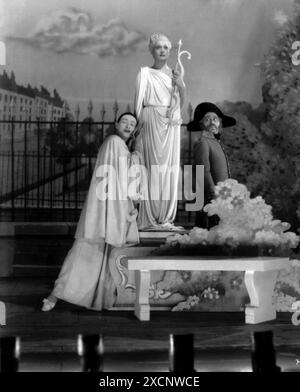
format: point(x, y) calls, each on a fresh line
point(93, 49)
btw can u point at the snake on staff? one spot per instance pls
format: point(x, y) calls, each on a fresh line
point(174, 97)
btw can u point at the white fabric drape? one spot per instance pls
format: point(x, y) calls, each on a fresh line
point(84, 278)
point(158, 142)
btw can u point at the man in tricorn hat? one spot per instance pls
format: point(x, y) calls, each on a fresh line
point(209, 152)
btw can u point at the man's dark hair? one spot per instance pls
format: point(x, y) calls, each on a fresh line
point(124, 114)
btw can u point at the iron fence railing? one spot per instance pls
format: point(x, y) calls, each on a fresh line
point(46, 166)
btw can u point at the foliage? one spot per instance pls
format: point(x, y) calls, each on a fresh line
point(62, 140)
point(89, 139)
point(65, 144)
point(264, 146)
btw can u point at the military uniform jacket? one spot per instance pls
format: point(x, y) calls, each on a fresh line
point(209, 152)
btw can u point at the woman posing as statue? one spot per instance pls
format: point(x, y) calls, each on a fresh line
point(159, 96)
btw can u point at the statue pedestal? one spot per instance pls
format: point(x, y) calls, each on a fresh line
point(156, 237)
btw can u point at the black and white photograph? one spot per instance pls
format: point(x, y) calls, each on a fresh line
point(149, 189)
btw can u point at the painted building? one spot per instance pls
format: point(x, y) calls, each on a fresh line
point(26, 103)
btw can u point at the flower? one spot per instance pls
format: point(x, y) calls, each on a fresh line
point(211, 293)
point(191, 301)
point(292, 240)
point(237, 201)
point(231, 188)
point(198, 235)
point(284, 302)
point(223, 191)
point(267, 238)
point(244, 221)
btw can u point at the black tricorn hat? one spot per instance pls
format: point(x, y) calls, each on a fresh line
point(206, 107)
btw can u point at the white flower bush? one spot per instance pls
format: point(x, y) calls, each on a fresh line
point(289, 240)
point(195, 237)
point(243, 221)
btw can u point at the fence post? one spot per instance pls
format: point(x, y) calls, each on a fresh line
point(38, 112)
point(38, 162)
point(190, 162)
point(64, 167)
point(115, 110)
point(103, 111)
point(90, 111)
point(128, 108)
point(44, 174)
point(25, 165)
point(51, 168)
point(77, 113)
point(190, 114)
point(12, 117)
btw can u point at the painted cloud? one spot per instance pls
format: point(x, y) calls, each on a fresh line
point(280, 17)
point(74, 31)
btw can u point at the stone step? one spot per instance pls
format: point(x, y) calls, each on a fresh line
point(36, 271)
point(44, 251)
point(40, 254)
point(40, 248)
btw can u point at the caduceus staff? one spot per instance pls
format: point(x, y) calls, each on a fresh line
point(174, 96)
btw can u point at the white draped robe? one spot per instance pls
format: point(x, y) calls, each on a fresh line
point(159, 144)
point(84, 278)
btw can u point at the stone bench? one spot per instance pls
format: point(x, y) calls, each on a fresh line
point(260, 278)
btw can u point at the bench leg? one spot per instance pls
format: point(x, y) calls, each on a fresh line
point(260, 286)
point(2, 313)
point(142, 283)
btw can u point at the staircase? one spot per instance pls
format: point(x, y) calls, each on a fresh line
point(40, 248)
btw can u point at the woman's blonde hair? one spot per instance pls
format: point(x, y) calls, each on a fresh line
point(155, 38)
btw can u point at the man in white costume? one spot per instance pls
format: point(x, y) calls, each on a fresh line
point(157, 107)
point(108, 219)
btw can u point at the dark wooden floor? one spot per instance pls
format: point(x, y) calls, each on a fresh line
point(49, 339)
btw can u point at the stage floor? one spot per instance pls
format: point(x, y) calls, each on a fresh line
point(49, 339)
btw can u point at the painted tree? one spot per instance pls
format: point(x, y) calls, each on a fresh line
point(281, 131)
point(264, 146)
point(61, 139)
point(245, 147)
point(89, 138)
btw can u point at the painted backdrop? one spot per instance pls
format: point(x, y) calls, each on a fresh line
point(93, 49)
point(241, 59)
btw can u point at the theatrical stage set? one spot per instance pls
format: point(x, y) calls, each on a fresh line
point(131, 256)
